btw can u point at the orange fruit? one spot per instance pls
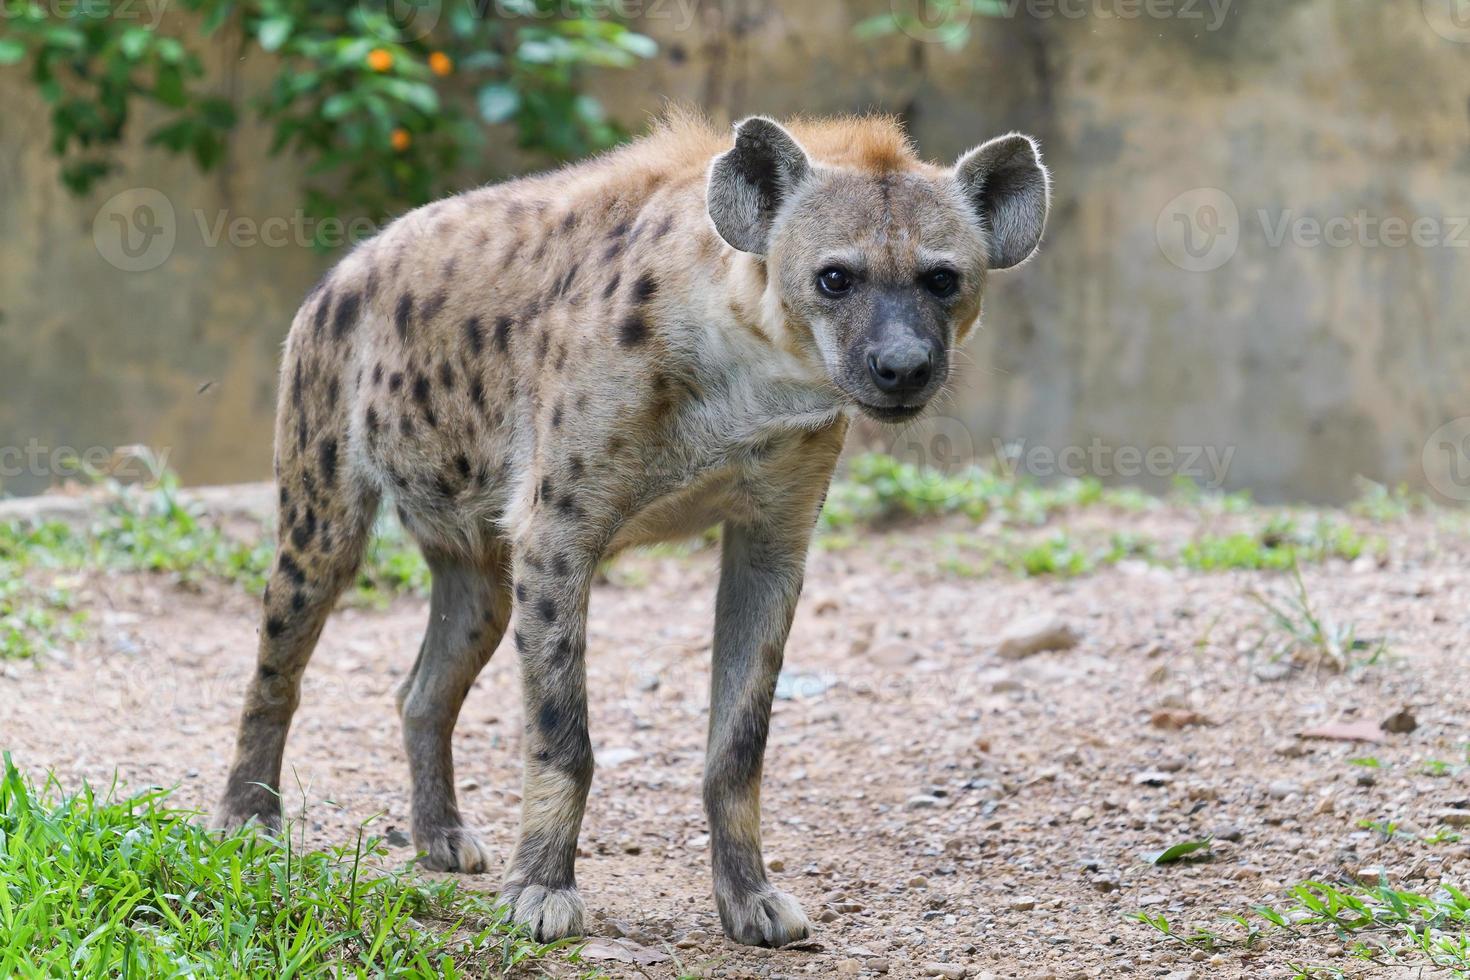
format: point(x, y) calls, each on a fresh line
point(379, 60)
point(440, 63)
point(401, 140)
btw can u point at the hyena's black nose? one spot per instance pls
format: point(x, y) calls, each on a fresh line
point(902, 368)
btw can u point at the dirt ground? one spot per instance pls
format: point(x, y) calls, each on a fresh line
point(936, 807)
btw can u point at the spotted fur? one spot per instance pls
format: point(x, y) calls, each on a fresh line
point(541, 373)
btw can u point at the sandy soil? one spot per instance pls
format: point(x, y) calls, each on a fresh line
point(929, 801)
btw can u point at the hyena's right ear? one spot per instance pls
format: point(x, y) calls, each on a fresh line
point(748, 185)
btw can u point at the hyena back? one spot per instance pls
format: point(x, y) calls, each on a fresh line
point(541, 373)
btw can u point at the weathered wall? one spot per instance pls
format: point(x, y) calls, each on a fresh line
point(1311, 363)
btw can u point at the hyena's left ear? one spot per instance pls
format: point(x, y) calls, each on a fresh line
point(748, 184)
point(1010, 188)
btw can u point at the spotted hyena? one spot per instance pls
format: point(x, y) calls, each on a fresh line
point(543, 372)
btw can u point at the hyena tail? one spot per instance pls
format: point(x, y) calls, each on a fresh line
point(325, 514)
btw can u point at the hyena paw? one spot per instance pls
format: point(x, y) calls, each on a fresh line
point(763, 918)
point(548, 914)
point(232, 815)
point(452, 849)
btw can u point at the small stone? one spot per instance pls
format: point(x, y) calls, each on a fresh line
point(923, 801)
point(950, 971)
point(877, 965)
point(1453, 817)
point(1105, 885)
point(849, 966)
point(1272, 670)
point(469, 784)
point(1229, 833)
point(1283, 788)
point(826, 915)
point(1148, 900)
point(397, 838)
point(1022, 903)
point(1401, 722)
point(846, 908)
point(776, 864)
point(918, 881)
point(1038, 634)
point(1082, 814)
point(1152, 778)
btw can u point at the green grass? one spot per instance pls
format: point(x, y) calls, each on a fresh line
point(1373, 923)
point(93, 886)
point(157, 532)
point(1297, 631)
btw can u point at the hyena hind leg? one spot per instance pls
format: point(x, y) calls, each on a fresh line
point(469, 608)
point(319, 547)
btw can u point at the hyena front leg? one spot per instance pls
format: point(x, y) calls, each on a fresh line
point(552, 578)
point(760, 580)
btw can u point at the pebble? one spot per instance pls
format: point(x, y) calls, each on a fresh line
point(776, 864)
point(951, 971)
point(397, 838)
point(1230, 833)
point(1082, 814)
point(1453, 817)
point(918, 881)
point(849, 966)
point(923, 801)
point(1282, 788)
point(1038, 634)
point(1022, 903)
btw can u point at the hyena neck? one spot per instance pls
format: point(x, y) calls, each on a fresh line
point(756, 341)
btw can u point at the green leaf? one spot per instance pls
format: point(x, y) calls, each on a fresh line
point(1179, 851)
point(499, 102)
point(135, 42)
point(338, 105)
point(640, 44)
point(273, 32)
point(11, 51)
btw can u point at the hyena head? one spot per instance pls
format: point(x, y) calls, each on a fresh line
point(884, 266)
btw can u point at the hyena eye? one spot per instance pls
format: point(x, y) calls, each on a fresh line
point(835, 281)
point(942, 282)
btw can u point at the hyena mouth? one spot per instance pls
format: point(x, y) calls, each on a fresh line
point(891, 413)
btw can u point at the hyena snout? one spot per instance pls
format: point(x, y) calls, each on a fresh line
point(903, 366)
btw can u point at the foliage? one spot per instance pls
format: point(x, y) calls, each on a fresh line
point(943, 21)
point(1374, 923)
point(96, 886)
point(382, 108)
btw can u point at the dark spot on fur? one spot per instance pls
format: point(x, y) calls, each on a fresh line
point(520, 641)
point(560, 566)
point(446, 375)
point(546, 489)
point(443, 485)
point(569, 222)
point(334, 392)
point(403, 315)
point(576, 466)
point(612, 285)
point(622, 228)
point(568, 505)
point(274, 627)
point(301, 431)
point(520, 592)
point(477, 392)
point(371, 417)
point(474, 334)
point(645, 288)
point(502, 333)
point(561, 357)
point(346, 317)
point(634, 330)
point(323, 308)
point(291, 570)
point(298, 601)
point(395, 381)
point(462, 463)
point(566, 284)
point(421, 389)
point(556, 416)
point(327, 456)
point(405, 425)
point(378, 373)
point(433, 305)
point(664, 228)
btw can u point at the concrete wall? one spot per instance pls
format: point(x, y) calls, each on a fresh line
point(1303, 364)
